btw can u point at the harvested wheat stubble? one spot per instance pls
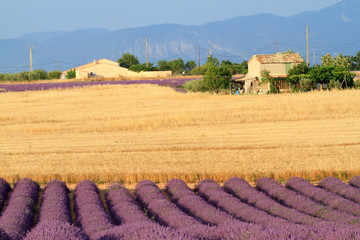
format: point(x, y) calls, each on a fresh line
point(138, 132)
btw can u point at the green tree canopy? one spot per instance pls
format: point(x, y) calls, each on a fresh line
point(127, 60)
point(71, 74)
point(296, 74)
point(217, 78)
point(190, 65)
point(339, 61)
point(212, 61)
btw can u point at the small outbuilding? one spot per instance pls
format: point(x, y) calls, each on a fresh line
point(277, 64)
point(105, 68)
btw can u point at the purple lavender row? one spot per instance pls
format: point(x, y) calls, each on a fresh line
point(323, 196)
point(355, 182)
point(242, 189)
point(134, 223)
point(55, 217)
point(161, 208)
point(18, 216)
point(61, 85)
point(4, 191)
point(336, 186)
point(55, 230)
point(303, 203)
point(214, 194)
point(167, 213)
point(279, 228)
point(55, 203)
point(141, 231)
point(90, 212)
point(195, 205)
point(123, 207)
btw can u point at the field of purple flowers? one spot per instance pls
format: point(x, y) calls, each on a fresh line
point(174, 83)
point(236, 210)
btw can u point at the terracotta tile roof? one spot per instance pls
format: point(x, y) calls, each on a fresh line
point(278, 58)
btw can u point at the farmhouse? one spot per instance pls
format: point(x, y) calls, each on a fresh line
point(105, 68)
point(277, 64)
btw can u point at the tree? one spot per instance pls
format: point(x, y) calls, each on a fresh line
point(355, 62)
point(212, 61)
point(296, 74)
point(217, 78)
point(127, 60)
point(177, 66)
point(339, 61)
point(54, 75)
point(164, 65)
point(71, 74)
point(190, 65)
point(336, 77)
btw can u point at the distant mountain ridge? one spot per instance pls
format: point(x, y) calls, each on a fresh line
point(335, 29)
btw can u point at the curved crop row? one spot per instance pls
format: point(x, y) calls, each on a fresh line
point(355, 182)
point(90, 212)
point(4, 191)
point(18, 217)
point(123, 207)
point(242, 189)
point(303, 203)
point(166, 212)
point(212, 192)
point(323, 196)
point(158, 206)
point(192, 203)
point(336, 186)
point(56, 230)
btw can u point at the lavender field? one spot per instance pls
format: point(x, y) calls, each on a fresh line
point(174, 83)
point(236, 210)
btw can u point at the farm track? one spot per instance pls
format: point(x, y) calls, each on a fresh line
point(208, 211)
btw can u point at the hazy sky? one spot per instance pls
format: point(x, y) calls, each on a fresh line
point(18, 17)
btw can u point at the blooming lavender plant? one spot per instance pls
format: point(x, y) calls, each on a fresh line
point(123, 207)
point(56, 230)
point(355, 182)
point(55, 203)
point(336, 186)
point(90, 212)
point(213, 193)
point(18, 217)
point(158, 206)
point(142, 231)
point(242, 189)
point(176, 82)
point(323, 196)
point(195, 205)
point(4, 190)
point(302, 203)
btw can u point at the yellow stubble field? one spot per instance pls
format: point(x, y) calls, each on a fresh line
point(136, 132)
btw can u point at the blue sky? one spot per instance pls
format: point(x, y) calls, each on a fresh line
point(19, 17)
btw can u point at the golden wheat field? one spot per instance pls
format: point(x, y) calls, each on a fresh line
point(135, 132)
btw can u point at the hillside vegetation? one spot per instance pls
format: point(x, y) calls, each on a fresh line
point(131, 133)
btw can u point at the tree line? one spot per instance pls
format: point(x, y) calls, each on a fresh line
point(179, 66)
point(37, 74)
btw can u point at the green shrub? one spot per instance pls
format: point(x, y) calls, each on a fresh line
point(54, 75)
point(217, 78)
point(71, 74)
point(196, 86)
point(335, 84)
